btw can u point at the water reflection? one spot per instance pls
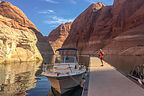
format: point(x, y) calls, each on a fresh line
point(124, 64)
point(42, 87)
point(16, 78)
point(128, 65)
point(24, 79)
point(84, 60)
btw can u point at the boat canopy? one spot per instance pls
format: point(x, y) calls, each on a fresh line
point(67, 49)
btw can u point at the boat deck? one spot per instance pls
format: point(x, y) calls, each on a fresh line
point(107, 81)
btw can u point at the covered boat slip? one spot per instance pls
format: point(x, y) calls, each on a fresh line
point(107, 81)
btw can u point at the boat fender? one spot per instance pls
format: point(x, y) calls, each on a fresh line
point(82, 83)
point(140, 82)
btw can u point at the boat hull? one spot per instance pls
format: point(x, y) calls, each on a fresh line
point(66, 83)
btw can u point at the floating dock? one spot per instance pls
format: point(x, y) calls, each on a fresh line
point(107, 81)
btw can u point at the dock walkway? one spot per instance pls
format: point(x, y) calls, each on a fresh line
point(107, 81)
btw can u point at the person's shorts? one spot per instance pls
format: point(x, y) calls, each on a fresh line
point(101, 58)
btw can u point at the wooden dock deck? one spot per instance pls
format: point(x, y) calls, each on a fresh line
point(107, 81)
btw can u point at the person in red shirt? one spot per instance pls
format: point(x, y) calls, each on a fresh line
point(101, 54)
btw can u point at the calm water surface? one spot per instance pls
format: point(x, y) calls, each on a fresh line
point(125, 64)
point(24, 79)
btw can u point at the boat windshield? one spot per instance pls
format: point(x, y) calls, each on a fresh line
point(59, 60)
point(69, 60)
point(65, 59)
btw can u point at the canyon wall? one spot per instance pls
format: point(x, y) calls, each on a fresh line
point(117, 29)
point(128, 24)
point(58, 35)
point(20, 40)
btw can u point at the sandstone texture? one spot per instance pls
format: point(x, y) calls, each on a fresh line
point(20, 40)
point(117, 29)
point(58, 35)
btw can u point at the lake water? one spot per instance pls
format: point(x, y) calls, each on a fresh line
point(20, 79)
point(125, 64)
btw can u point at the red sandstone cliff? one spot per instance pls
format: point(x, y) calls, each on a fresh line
point(128, 24)
point(91, 28)
point(20, 40)
point(58, 35)
point(118, 29)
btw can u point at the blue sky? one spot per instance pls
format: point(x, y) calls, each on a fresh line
point(48, 14)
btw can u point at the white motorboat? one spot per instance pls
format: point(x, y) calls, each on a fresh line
point(66, 72)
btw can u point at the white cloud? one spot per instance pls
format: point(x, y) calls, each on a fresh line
point(58, 20)
point(53, 26)
point(93, 1)
point(46, 12)
point(51, 1)
point(73, 1)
